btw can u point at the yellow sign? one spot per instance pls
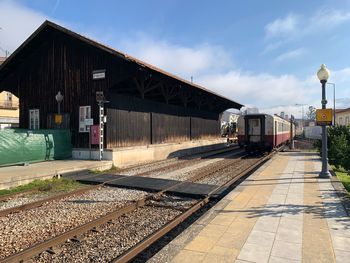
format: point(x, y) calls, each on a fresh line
point(324, 116)
point(58, 119)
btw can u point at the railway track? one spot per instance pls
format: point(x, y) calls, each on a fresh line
point(164, 166)
point(54, 245)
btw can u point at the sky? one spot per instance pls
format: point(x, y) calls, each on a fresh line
point(263, 54)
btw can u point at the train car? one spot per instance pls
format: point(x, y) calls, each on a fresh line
point(263, 132)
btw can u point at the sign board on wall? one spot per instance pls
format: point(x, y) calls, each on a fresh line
point(58, 119)
point(89, 122)
point(324, 117)
point(99, 74)
point(95, 134)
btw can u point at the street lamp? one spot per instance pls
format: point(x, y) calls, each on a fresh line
point(333, 84)
point(59, 99)
point(323, 75)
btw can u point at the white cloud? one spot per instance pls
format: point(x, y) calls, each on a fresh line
point(210, 65)
point(212, 68)
point(181, 60)
point(340, 76)
point(17, 23)
point(281, 26)
point(293, 26)
point(261, 90)
point(290, 55)
point(327, 19)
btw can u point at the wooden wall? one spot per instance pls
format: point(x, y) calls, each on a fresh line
point(204, 128)
point(56, 62)
point(129, 128)
point(170, 128)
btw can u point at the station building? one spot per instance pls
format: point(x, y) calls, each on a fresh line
point(149, 112)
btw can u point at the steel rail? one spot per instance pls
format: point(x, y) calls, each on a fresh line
point(47, 244)
point(13, 195)
point(52, 198)
point(44, 245)
point(148, 241)
point(38, 203)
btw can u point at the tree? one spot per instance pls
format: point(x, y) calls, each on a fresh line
point(311, 113)
point(338, 146)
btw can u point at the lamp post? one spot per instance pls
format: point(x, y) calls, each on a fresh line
point(59, 99)
point(323, 75)
point(333, 84)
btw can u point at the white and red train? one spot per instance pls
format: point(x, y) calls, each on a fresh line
point(263, 132)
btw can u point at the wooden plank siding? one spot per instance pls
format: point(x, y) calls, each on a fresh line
point(204, 128)
point(56, 62)
point(170, 128)
point(130, 128)
point(127, 128)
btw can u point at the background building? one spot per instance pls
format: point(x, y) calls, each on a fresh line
point(9, 112)
point(342, 116)
point(146, 105)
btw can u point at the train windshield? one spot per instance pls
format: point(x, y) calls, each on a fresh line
point(254, 130)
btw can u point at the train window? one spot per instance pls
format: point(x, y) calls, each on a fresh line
point(255, 123)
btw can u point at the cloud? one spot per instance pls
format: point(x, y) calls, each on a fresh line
point(261, 90)
point(211, 65)
point(342, 103)
point(281, 26)
point(214, 69)
point(181, 60)
point(17, 23)
point(290, 55)
point(341, 76)
point(294, 26)
point(327, 19)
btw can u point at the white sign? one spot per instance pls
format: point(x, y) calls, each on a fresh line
point(100, 74)
point(89, 122)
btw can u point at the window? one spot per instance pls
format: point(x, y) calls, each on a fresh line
point(34, 118)
point(347, 121)
point(84, 113)
point(340, 121)
point(8, 99)
point(8, 96)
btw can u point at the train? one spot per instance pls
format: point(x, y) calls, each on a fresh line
point(263, 132)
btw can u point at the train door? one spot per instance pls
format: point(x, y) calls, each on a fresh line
point(254, 130)
point(275, 135)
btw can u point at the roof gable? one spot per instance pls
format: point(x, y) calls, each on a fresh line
point(11, 61)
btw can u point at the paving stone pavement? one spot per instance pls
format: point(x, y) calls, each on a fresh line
point(281, 213)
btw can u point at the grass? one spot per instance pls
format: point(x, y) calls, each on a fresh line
point(52, 185)
point(344, 177)
point(114, 169)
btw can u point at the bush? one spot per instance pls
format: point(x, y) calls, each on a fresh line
point(338, 146)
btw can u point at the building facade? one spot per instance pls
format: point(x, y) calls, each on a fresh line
point(9, 108)
point(143, 104)
point(342, 117)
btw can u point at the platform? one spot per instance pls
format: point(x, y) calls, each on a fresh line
point(141, 154)
point(281, 213)
point(12, 176)
point(147, 184)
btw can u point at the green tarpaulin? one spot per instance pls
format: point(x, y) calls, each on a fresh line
point(20, 145)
